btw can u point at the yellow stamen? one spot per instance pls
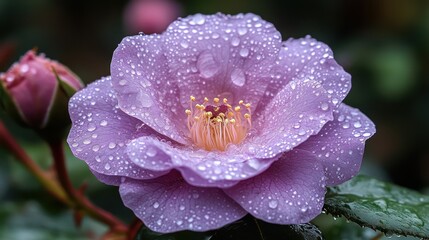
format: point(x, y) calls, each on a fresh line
point(215, 127)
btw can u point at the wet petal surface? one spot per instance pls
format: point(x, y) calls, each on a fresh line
point(340, 144)
point(100, 132)
point(169, 204)
point(146, 90)
point(291, 191)
point(224, 55)
point(198, 167)
point(297, 112)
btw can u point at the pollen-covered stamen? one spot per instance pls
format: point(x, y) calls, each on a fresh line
point(214, 126)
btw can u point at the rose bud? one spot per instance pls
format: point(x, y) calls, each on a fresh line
point(35, 91)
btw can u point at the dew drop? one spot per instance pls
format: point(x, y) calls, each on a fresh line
point(242, 31)
point(155, 205)
point(103, 123)
point(122, 82)
point(184, 44)
point(244, 52)
point(112, 145)
point(357, 124)
point(201, 167)
point(24, 68)
point(273, 204)
point(238, 77)
point(199, 19)
point(235, 42)
point(107, 166)
point(207, 65)
point(145, 100)
point(91, 128)
point(324, 106)
point(95, 148)
point(151, 152)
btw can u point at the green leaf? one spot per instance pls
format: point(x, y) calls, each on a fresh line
point(381, 206)
point(340, 228)
point(250, 228)
point(31, 222)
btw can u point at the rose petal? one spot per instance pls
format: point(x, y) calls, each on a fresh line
point(306, 58)
point(145, 87)
point(339, 146)
point(100, 131)
point(108, 179)
point(198, 167)
point(169, 204)
point(224, 55)
point(297, 112)
point(291, 191)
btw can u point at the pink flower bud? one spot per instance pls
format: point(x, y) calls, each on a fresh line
point(150, 16)
point(35, 89)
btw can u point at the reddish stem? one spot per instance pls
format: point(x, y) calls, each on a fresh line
point(81, 201)
point(9, 142)
point(134, 228)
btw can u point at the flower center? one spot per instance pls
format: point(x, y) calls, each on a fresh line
point(213, 126)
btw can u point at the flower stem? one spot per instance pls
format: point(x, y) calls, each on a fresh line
point(134, 229)
point(81, 201)
point(259, 229)
point(47, 180)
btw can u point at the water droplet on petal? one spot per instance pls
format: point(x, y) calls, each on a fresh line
point(91, 127)
point(155, 205)
point(273, 204)
point(357, 124)
point(95, 148)
point(238, 77)
point(107, 166)
point(244, 52)
point(235, 42)
point(242, 31)
point(103, 123)
point(122, 82)
point(145, 100)
point(151, 152)
point(199, 19)
point(324, 106)
point(184, 44)
point(207, 65)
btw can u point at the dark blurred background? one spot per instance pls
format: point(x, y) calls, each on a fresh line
point(384, 44)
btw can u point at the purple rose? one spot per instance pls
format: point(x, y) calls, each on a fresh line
point(217, 118)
